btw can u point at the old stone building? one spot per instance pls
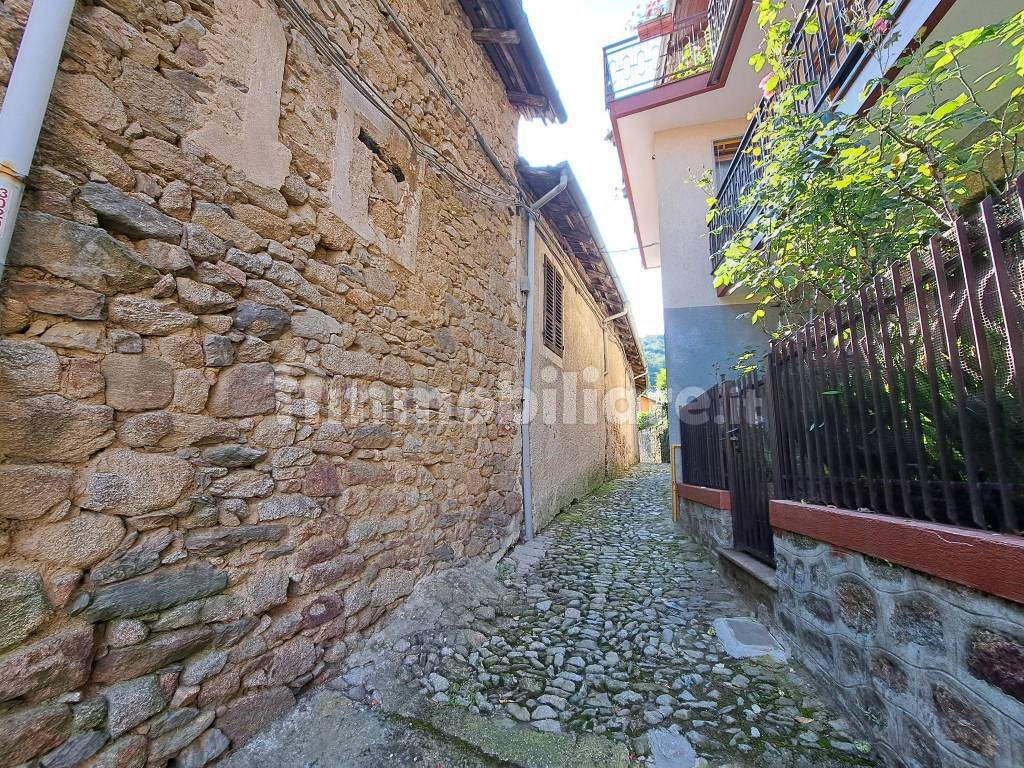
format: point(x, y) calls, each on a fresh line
point(262, 344)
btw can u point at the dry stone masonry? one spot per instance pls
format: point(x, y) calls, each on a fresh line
point(231, 280)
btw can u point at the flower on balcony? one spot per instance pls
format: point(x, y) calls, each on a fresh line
point(881, 26)
point(769, 85)
point(649, 10)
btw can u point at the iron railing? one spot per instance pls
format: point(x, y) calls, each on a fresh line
point(824, 61)
point(701, 431)
point(908, 399)
point(635, 66)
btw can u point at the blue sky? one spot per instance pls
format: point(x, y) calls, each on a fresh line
point(571, 34)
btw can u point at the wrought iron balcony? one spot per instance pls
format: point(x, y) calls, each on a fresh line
point(824, 62)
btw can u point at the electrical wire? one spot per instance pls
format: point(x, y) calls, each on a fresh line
point(328, 48)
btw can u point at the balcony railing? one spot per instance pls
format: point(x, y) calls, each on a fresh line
point(635, 66)
point(824, 61)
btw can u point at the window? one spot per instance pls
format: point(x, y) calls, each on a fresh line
point(553, 338)
point(725, 152)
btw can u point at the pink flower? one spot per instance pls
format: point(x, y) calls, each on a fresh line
point(764, 86)
point(881, 26)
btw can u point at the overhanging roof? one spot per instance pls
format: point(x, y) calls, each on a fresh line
point(502, 28)
point(570, 216)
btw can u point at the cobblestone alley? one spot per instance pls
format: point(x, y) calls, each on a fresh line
point(595, 645)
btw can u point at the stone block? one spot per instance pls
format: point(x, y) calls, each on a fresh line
point(360, 365)
point(158, 651)
point(246, 389)
point(129, 483)
point(321, 480)
point(152, 593)
point(54, 429)
point(218, 351)
point(57, 299)
point(166, 257)
point(250, 714)
point(219, 541)
point(998, 659)
point(30, 491)
point(30, 731)
point(201, 298)
point(127, 215)
point(857, 606)
point(314, 324)
point(79, 253)
point(148, 317)
point(917, 619)
point(216, 220)
point(47, 667)
point(132, 702)
point(262, 321)
point(126, 752)
point(962, 723)
point(283, 506)
point(78, 334)
point(78, 542)
point(137, 382)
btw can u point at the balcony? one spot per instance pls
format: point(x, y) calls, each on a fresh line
point(692, 47)
point(824, 61)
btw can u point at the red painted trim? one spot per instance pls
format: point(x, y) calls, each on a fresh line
point(989, 562)
point(709, 497)
point(662, 95)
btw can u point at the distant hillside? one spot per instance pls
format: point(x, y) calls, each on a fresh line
point(654, 351)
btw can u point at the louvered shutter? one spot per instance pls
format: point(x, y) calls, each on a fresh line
point(553, 333)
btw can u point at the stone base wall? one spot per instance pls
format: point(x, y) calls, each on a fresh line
point(257, 366)
point(932, 671)
point(711, 528)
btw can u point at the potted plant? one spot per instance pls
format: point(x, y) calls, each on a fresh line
point(652, 18)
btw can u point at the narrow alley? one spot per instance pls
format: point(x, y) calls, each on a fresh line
point(601, 643)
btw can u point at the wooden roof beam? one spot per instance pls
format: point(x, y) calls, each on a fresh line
point(496, 36)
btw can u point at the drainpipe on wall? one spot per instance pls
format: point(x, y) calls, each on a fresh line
point(604, 379)
point(28, 94)
point(531, 269)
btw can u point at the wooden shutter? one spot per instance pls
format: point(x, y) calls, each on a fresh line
point(553, 333)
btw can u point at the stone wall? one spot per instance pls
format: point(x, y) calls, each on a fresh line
point(709, 527)
point(932, 671)
point(233, 280)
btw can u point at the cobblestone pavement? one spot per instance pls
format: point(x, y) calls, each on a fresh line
point(599, 636)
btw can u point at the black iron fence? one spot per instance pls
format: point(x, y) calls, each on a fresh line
point(907, 399)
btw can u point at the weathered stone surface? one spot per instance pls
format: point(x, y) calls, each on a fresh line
point(250, 714)
point(313, 324)
point(137, 382)
point(391, 585)
point(127, 215)
point(128, 483)
point(246, 389)
point(30, 491)
point(79, 542)
point(77, 334)
point(282, 506)
point(918, 620)
point(31, 731)
point(379, 284)
point(132, 702)
point(148, 317)
point(321, 480)
point(220, 541)
point(360, 365)
point(262, 321)
point(247, 484)
point(963, 724)
point(171, 743)
point(372, 436)
point(23, 605)
point(27, 369)
point(166, 257)
point(158, 651)
point(998, 659)
point(857, 607)
point(48, 667)
point(146, 429)
point(75, 751)
point(126, 752)
point(201, 298)
point(53, 428)
point(82, 254)
point(142, 557)
point(218, 351)
point(203, 750)
point(156, 592)
point(283, 664)
point(191, 391)
point(64, 300)
point(216, 220)
point(231, 456)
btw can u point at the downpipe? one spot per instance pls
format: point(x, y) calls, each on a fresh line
point(24, 107)
point(532, 212)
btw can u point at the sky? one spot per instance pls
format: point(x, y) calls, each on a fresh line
point(572, 34)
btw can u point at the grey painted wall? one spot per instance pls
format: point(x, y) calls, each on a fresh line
point(700, 344)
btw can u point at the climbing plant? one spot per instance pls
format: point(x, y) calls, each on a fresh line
point(840, 196)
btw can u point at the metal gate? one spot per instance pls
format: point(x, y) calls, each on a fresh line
point(748, 458)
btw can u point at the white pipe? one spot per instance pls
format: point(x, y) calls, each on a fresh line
point(28, 94)
point(531, 271)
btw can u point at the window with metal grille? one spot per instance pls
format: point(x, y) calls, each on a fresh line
point(725, 153)
point(553, 338)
